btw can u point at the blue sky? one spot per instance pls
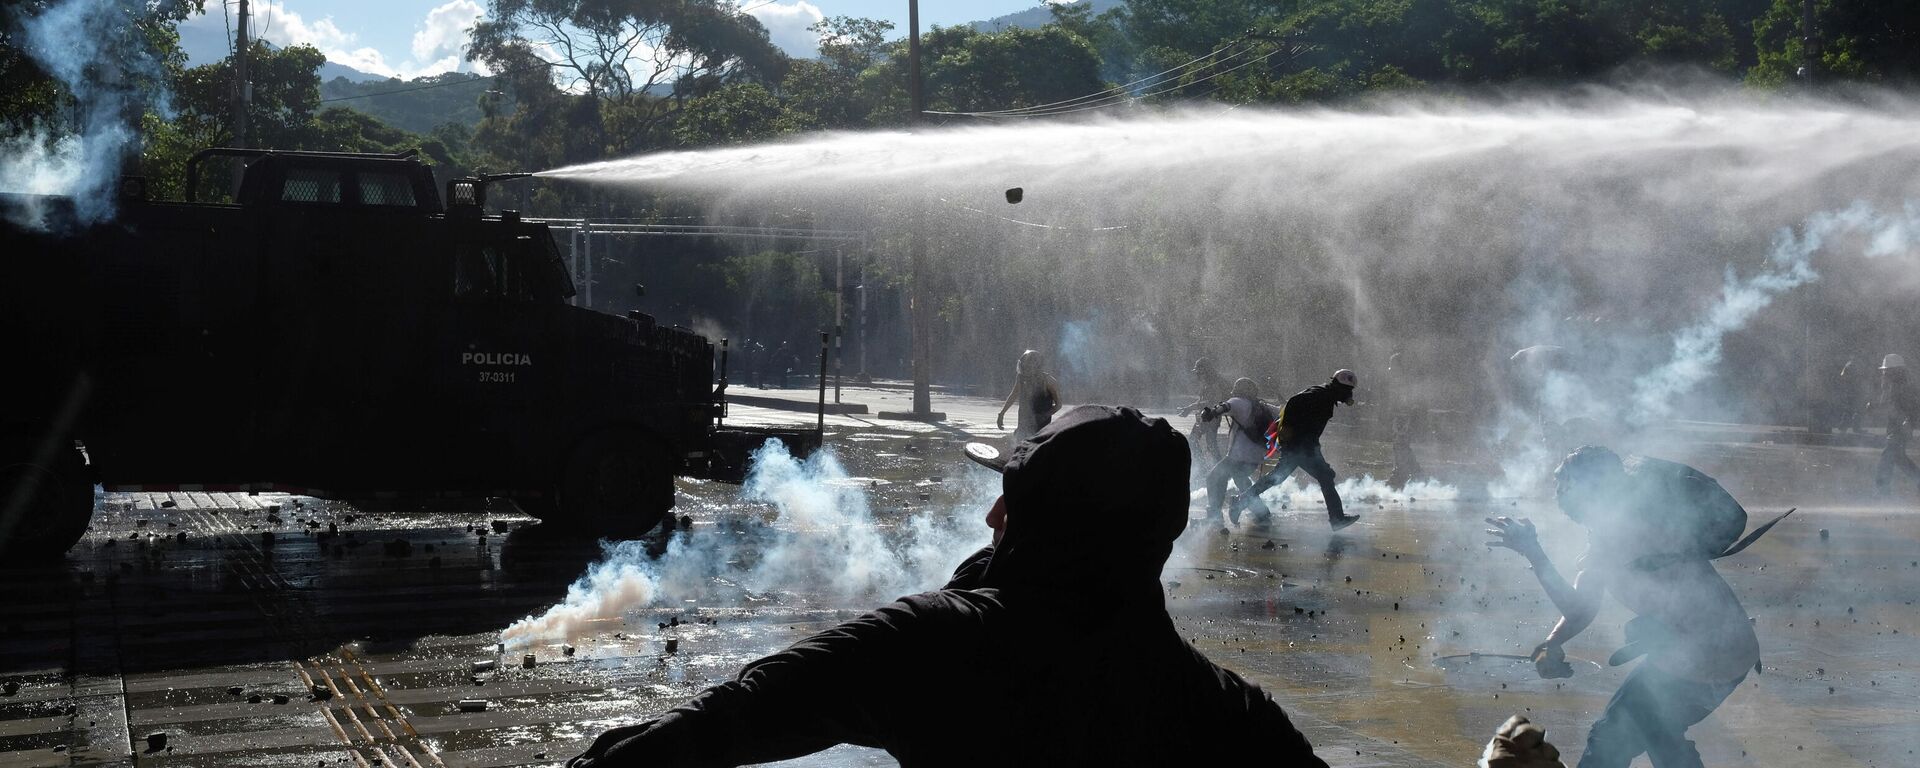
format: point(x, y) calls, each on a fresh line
point(408, 38)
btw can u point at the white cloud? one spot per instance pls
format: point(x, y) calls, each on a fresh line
point(272, 21)
point(787, 26)
point(438, 41)
point(445, 30)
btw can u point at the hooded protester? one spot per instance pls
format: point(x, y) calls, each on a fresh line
point(1246, 448)
point(1653, 529)
point(978, 673)
point(1296, 439)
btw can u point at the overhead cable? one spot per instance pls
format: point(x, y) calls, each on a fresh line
point(1121, 90)
point(1108, 102)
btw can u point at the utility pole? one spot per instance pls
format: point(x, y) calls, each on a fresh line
point(242, 87)
point(917, 240)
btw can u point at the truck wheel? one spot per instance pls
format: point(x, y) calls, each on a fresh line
point(44, 505)
point(617, 484)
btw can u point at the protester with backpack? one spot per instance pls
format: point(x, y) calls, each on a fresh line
point(1246, 448)
point(1653, 529)
point(1295, 438)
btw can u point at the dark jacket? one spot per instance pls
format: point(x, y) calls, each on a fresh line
point(1061, 652)
point(1307, 414)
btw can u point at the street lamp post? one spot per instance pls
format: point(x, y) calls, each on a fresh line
point(917, 242)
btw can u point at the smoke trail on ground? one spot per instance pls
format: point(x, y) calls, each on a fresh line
point(100, 58)
point(823, 544)
point(1358, 490)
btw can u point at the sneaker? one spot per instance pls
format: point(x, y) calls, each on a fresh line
point(1342, 521)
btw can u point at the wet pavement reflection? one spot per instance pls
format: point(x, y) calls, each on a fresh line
point(225, 629)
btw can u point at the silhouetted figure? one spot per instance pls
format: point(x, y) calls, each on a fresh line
point(1214, 388)
point(1653, 529)
point(1053, 647)
point(1403, 422)
point(1246, 448)
point(1035, 391)
point(1296, 440)
point(1898, 399)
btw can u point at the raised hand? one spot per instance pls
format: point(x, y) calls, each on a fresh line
point(1516, 534)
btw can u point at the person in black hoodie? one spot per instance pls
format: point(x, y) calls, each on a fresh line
point(1051, 647)
point(1297, 440)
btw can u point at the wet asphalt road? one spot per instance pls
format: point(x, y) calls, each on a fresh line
point(179, 609)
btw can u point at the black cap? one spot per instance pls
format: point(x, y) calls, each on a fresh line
point(1100, 493)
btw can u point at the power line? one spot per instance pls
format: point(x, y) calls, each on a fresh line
point(1109, 101)
point(1122, 89)
point(1127, 88)
point(1169, 89)
point(1120, 98)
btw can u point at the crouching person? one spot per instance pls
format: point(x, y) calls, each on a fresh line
point(1653, 529)
point(1061, 654)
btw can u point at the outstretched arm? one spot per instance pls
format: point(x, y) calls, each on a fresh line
point(1578, 602)
point(796, 702)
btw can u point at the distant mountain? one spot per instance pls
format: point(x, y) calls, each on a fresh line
point(330, 70)
point(1034, 18)
point(453, 98)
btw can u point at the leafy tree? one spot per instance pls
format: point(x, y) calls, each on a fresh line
point(965, 70)
point(1856, 40)
point(825, 92)
point(734, 114)
point(643, 58)
point(284, 113)
point(143, 34)
point(285, 88)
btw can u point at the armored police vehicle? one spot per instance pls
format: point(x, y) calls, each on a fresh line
point(336, 331)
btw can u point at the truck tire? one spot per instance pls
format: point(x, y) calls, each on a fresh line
point(614, 484)
point(45, 504)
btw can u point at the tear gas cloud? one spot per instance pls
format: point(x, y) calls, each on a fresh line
point(101, 60)
point(823, 545)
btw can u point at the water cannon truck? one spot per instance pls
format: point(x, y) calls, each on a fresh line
point(338, 330)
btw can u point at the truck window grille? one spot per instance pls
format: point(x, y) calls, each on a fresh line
point(311, 185)
point(385, 189)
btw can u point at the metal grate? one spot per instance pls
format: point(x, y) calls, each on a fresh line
point(385, 189)
point(308, 185)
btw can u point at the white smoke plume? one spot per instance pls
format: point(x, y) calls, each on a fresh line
point(824, 544)
point(1697, 347)
point(1857, 231)
point(102, 61)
